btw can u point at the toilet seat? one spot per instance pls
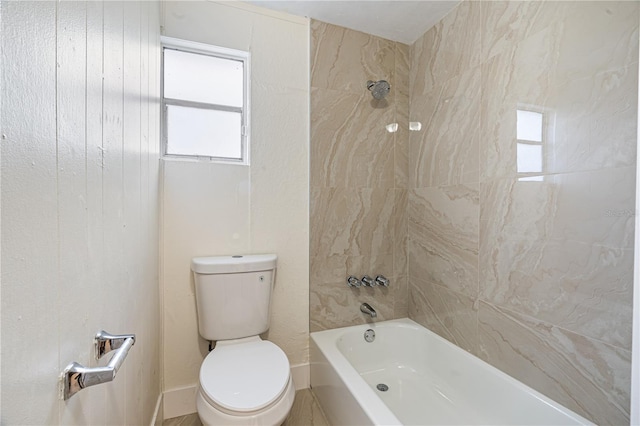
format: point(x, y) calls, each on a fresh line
point(244, 377)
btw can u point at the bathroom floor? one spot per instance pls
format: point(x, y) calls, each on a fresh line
point(305, 412)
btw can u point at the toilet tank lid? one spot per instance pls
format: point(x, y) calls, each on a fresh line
point(233, 264)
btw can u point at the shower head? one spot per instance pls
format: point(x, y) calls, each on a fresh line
point(379, 89)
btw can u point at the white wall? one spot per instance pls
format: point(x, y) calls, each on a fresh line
point(79, 206)
point(217, 209)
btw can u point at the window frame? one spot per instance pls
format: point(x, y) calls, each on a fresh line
point(218, 52)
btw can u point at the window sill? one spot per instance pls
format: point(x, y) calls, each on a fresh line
point(194, 159)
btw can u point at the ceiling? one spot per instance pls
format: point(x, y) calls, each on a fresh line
point(403, 21)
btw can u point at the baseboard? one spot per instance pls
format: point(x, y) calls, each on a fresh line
point(158, 413)
point(300, 374)
point(179, 402)
point(182, 401)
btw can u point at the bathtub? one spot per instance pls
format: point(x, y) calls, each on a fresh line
point(430, 381)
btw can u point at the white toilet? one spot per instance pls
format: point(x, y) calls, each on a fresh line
point(245, 380)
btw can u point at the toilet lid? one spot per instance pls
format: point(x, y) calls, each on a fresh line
point(245, 376)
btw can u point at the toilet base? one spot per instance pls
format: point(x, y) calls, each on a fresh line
point(272, 416)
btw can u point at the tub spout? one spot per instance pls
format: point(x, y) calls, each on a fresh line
point(365, 308)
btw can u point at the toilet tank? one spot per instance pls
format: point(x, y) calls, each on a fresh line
point(233, 295)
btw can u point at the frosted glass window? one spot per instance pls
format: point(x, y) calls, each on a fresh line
point(205, 100)
point(202, 78)
point(529, 158)
point(203, 132)
point(529, 126)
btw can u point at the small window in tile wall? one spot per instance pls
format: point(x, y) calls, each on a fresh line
point(205, 101)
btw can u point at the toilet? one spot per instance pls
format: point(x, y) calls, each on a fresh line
point(244, 380)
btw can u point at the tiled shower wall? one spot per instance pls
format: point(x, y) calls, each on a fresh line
point(529, 266)
point(359, 175)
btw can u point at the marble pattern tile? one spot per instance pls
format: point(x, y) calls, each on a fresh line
point(400, 258)
point(447, 50)
point(585, 91)
point(443, 237)
point(505, 23)
point(401, 232)
point(401, 137)
point(400, 286)
point(561, 250)
point(328, 211)
point(588, 123)
point(446, 150)
point(350, 146)
point(609, 41)
point(327, 269)
point(587, 376)
point(338, 267)
point(334, 305)
point(401, 147)
point(401, 72)
point(581, 287)
point(554, 249)
point(359, 175)
point(593, 122)
point(595, 207)
point(352, 221)
point(370, 265)
point(450, 314)
point(344, 59)
point(515, 209)
point(518, 80)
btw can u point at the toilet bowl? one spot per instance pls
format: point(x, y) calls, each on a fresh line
point(245, 382)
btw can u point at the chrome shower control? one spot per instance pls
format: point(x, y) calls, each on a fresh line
point(381, 280)
point(353, 281)
point(368, 281)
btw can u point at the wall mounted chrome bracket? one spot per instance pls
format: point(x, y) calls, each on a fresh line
point(76, 377)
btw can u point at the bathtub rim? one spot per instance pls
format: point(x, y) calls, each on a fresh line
point(327, 343)
point(379, 414)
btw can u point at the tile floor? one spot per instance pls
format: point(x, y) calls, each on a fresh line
point(305, 412)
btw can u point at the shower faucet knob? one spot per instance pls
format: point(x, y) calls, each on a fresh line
point(368, 281)
point(382, 280)
point(353, 281)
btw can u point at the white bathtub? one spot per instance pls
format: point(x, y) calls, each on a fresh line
point(431, 382)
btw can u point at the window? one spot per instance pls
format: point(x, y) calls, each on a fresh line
point(205, 101)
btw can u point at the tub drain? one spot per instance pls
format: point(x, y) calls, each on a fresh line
point(382, 387)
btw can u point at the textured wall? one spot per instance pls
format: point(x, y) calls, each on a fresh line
point(221, 209)
point(534, 276)
point(358, 175)
point(79, 206)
